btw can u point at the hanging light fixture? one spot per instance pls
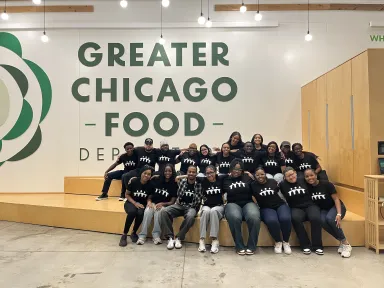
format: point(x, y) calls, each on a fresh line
point(243, 8)
point(201, 19)
point(308, 36)
point(258, 16)
point(208, 24)
point(5, 15)
point(161, 40)
point(44, 37)
point(165, 3)
point(36, 2)
point(124, 3)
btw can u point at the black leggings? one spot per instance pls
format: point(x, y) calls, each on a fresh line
point(134, 213)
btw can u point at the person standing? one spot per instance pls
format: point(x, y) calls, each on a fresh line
point(302, 209)
point(129, 160)
point(287, 154)
point(249, 156)
point(332, 209)
point(257, 142)
point(224, 159)
point(275, 213)
point(188, 202)
point(273, 163)
point(205, 159)
point(189, 158)
point(165, 156)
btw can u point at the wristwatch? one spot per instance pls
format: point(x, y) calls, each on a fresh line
point(338, 215)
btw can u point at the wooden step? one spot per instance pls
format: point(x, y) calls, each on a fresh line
point(91, 185)
point(84, 213)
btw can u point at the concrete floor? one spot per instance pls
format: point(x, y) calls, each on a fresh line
point(34, 256)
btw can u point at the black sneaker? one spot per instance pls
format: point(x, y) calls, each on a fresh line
point(103, 196)
point(123, 241)
point(134, 237)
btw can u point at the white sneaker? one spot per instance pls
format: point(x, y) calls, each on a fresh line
point(171, 244)
point(121, 199)
point(178, 244)
point(215, 246)
point(157, 241)
point(141, 241)
point(202, 246)
point(278, 247)
point(287, 248)
point(340, 249)
point(307, 251)
point(319, 251)
point(347, 251)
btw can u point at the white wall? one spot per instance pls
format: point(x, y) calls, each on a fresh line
point(269, 66)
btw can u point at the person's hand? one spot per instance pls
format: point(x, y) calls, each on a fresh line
point(182, 152)
point(158, 206)
point(150, 205)
point(249, 174)
point(105, 175)
point(130, 180)
point(155, 176)
point(139, 206)
point(338, 221)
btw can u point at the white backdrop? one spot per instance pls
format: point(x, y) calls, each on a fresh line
point(269, 66)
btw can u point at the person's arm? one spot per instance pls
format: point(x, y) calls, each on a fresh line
point(181, 177)
point(110, 168)
point(149, 202)
point(318, 169)
point(234, 151)
point(130, 199)
point(338, 209)
point(165, 204)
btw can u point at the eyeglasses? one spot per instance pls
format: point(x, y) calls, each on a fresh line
point(209, 173)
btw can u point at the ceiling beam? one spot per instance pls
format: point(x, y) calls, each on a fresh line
point(302, 7)
point(50, 9)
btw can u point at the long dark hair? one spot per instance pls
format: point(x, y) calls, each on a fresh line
point(162, 176)
point(253, 140)
point(145, 168)
point(235, 133)
point(277, 152)
point(233, 164)
point(209, 151)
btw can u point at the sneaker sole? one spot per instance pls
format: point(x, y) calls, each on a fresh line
point(101, 199)
point(178, 247)
point(249, 254)
point(202, 251)
point(307, 253)
point(170, 248)
point(319, 253)
point(214, 252)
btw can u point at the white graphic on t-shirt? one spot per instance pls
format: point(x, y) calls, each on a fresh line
point(289, 161)
point(270, 163)
point(189, 161)
point(188, 193)
point(140, 193)
point(164, 159)
point(145, 159)
point(266, 191)
point(162, 192)
point(206, 161)
point(213, 190)
point(237, 184)
point(304, 166)
point(224, 164)
point(296, 190)
point(318, 196)
point(130, 163)
point(248, 160)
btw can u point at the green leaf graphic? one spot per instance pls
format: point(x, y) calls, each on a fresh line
point(22, 123)
point(19, 77)
point(10, 42)
point(30, 148)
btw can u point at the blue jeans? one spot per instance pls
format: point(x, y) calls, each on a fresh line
point(329, 224)
point(278, 220)
point(115, 175)
point(235, 215)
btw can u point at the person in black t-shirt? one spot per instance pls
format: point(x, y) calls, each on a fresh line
point(190, 158)
point(303, 209)
point(257, 142)
point(224, 159)
point(146, 156)
point(249, 156)
point(137, 196)
point(241, 207)
point(274, 212)
point(273, 163)
point(287, 154)
point(332, 209)
point(164, 188)
point(129, 160)
point(304, 160)
point(166, 156)
point(206, 159)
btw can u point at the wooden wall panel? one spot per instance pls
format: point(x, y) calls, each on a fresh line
point(360, 92)
point(307, 95)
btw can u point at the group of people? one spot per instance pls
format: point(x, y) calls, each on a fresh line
point(241, 181)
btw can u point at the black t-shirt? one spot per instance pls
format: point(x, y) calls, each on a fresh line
point(267, 194)
point(167, 157)
point(272, 165)
point(212, 192)
point(289, 160)
point(262, 151)
point(145, 158)
point(309, 161)
point(163, 191)
point(251, 161)
point(235, 147)
point(205, 161)
point(188, 195)
point(238, 189)
point(224, 162)
point(297, 194)
point(129, 162)
point(321, 194)
point(140, 192)
point(187, 161)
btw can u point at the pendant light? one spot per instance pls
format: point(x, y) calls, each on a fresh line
point(308, 36)
point(161, 40)
point(5, 15)
point(208, 24)
point(243, 8)
point(201, 19)
point(124, 3)
point(258, 16)
point(165, 3)
point(44, 37)
point(36, 2)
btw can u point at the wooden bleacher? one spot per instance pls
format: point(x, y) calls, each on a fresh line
point(76, 208)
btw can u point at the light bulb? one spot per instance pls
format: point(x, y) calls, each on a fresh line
point(201, 19)
point(124, 3)
point(44, 38)
point(165, 3)
point(37, 2)
point(243, 8)
point(308, 37)
point(4, 16)
point(162, 40)
point(208, 24)
point(258, 16)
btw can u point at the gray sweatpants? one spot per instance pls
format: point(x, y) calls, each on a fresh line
point(150, 213)
point(213, 216)
point(173, 211)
